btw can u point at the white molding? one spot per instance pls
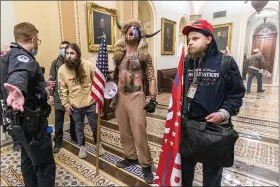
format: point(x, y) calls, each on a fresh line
point(156, 37)
point(184, 15)
point(60, 21)
point(77, 23)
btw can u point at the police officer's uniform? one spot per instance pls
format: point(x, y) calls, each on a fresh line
point(37, 161)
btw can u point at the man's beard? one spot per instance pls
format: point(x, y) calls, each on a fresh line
point(197, 54)
point(72, 64)
point(77, 67)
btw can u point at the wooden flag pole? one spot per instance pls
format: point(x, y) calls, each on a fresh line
point(98, 141)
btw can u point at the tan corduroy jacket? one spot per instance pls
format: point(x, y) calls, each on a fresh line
point(72, 92)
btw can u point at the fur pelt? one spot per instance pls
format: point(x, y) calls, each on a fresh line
point(120, 46)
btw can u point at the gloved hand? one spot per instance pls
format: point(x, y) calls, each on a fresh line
point(151, 106)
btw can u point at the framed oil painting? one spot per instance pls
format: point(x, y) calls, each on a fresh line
point(101, 21)
point(168, 35)
point(222, 35)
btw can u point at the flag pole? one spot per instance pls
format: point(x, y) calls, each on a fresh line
point(98, 141)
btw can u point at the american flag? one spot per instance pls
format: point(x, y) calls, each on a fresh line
point(100, 74)
point(169, 172)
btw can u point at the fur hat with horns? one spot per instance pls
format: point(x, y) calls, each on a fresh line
point(120, 46)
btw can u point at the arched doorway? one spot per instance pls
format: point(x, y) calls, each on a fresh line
point(264, 38)
point(146, 16)
point(243, 34)
point(182, 38)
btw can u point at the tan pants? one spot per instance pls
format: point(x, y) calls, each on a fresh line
point(131, 119)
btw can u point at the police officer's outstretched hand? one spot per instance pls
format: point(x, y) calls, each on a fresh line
point(15, 98)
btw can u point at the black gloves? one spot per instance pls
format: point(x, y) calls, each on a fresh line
point(151, 106)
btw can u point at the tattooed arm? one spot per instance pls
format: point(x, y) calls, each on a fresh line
point(151, 78)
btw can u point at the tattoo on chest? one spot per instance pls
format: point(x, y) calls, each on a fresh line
point(130, 64)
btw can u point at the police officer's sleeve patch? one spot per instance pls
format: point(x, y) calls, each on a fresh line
point(23, 58)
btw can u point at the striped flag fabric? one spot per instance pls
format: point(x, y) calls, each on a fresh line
point(169, 171)
point(100, 75)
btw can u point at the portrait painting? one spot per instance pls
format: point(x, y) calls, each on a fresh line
point(168, 35)
point(222, 35)
point(101, 23)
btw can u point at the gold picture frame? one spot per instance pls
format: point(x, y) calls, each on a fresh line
point(107, 20)
point(222, 34)
point(168, 28)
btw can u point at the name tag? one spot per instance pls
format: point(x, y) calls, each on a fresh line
point(192, 91)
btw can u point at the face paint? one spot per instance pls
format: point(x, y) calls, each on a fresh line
point(136, 32)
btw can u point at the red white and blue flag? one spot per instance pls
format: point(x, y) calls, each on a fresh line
point(169, 172)
point(100, 74)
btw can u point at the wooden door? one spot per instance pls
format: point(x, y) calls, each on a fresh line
point(267, 45)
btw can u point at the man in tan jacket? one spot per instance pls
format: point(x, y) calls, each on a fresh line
point(75, 80)
point(255, 64)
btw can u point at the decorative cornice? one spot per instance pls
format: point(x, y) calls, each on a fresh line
point(77, 23)
point(266, 28)
point(60, 21)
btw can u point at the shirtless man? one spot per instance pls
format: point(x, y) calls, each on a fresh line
point(133, 71)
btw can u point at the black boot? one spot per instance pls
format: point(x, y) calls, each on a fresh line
point(148, 175)
point(16, 147)
point(57, 146)
point(126, 162)
point(74, 139)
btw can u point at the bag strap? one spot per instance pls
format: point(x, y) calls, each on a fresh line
point(186, 100)
point(225, 66)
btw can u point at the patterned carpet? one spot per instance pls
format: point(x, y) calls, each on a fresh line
point(256, 151)
point(70, 170)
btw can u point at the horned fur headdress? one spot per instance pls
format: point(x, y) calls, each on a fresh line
point(120, 46)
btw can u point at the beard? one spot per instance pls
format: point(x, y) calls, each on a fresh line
point(72, 64)
point(193, 53)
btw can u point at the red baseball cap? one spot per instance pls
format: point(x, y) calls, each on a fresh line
point(199, 24)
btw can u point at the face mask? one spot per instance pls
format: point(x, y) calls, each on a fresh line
point(34, 52)
point(62, 52)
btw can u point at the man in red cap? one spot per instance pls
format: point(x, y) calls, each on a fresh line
point(209, 96)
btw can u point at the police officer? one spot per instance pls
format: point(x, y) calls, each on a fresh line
point(25, 94)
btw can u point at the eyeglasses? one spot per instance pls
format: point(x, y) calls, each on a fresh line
point(39, 41)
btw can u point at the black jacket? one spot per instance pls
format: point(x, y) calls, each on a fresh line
point(25, 73)
point(214, 92)
point(56, 64)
